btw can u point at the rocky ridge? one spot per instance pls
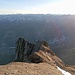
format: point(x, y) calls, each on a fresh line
point(36, 53)
point(39, 53)
point(35, 59)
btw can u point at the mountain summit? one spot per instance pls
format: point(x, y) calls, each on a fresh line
point(36, 59)
point(36, 53)
point(39, 53)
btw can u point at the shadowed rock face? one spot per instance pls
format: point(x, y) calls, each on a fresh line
point(39, 52)
point(23, 49)
point(36, 53)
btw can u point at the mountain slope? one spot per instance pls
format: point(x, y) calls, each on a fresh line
point(36, 59)
point(57, 30)
point(20, 68)
point(38, 53)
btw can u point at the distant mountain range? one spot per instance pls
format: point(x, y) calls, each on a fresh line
point(57, 30)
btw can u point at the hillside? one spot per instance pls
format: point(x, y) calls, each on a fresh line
point(57, 30)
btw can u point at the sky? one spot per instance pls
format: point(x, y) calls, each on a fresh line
point(37, 6)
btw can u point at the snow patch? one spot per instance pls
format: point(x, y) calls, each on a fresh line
point(63, 71)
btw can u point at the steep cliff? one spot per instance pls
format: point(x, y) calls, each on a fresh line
point(36, 59)
point(36, 53)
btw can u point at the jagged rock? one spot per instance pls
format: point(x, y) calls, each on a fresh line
point(40, 52)
point(23, 49)
point(20, 49)
point(36, 53)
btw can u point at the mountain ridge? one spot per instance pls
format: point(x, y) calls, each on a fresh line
point(36, 59)
point(38, 53)
point(34, 28)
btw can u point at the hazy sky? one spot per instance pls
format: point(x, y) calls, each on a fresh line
point(37, 6)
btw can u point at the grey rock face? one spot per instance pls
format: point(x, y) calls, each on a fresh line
point(23, 49)
point(36, 53)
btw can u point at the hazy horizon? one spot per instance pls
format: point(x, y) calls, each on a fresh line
point(32, 14)
point(37, 7)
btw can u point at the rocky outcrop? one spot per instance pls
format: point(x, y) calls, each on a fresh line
point(48, 62)
point(23, 49)
point(36, 53)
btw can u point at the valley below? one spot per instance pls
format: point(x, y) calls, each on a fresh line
point(57, 30)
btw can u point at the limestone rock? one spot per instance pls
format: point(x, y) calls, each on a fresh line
point(36, 53)
point(23, 49)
